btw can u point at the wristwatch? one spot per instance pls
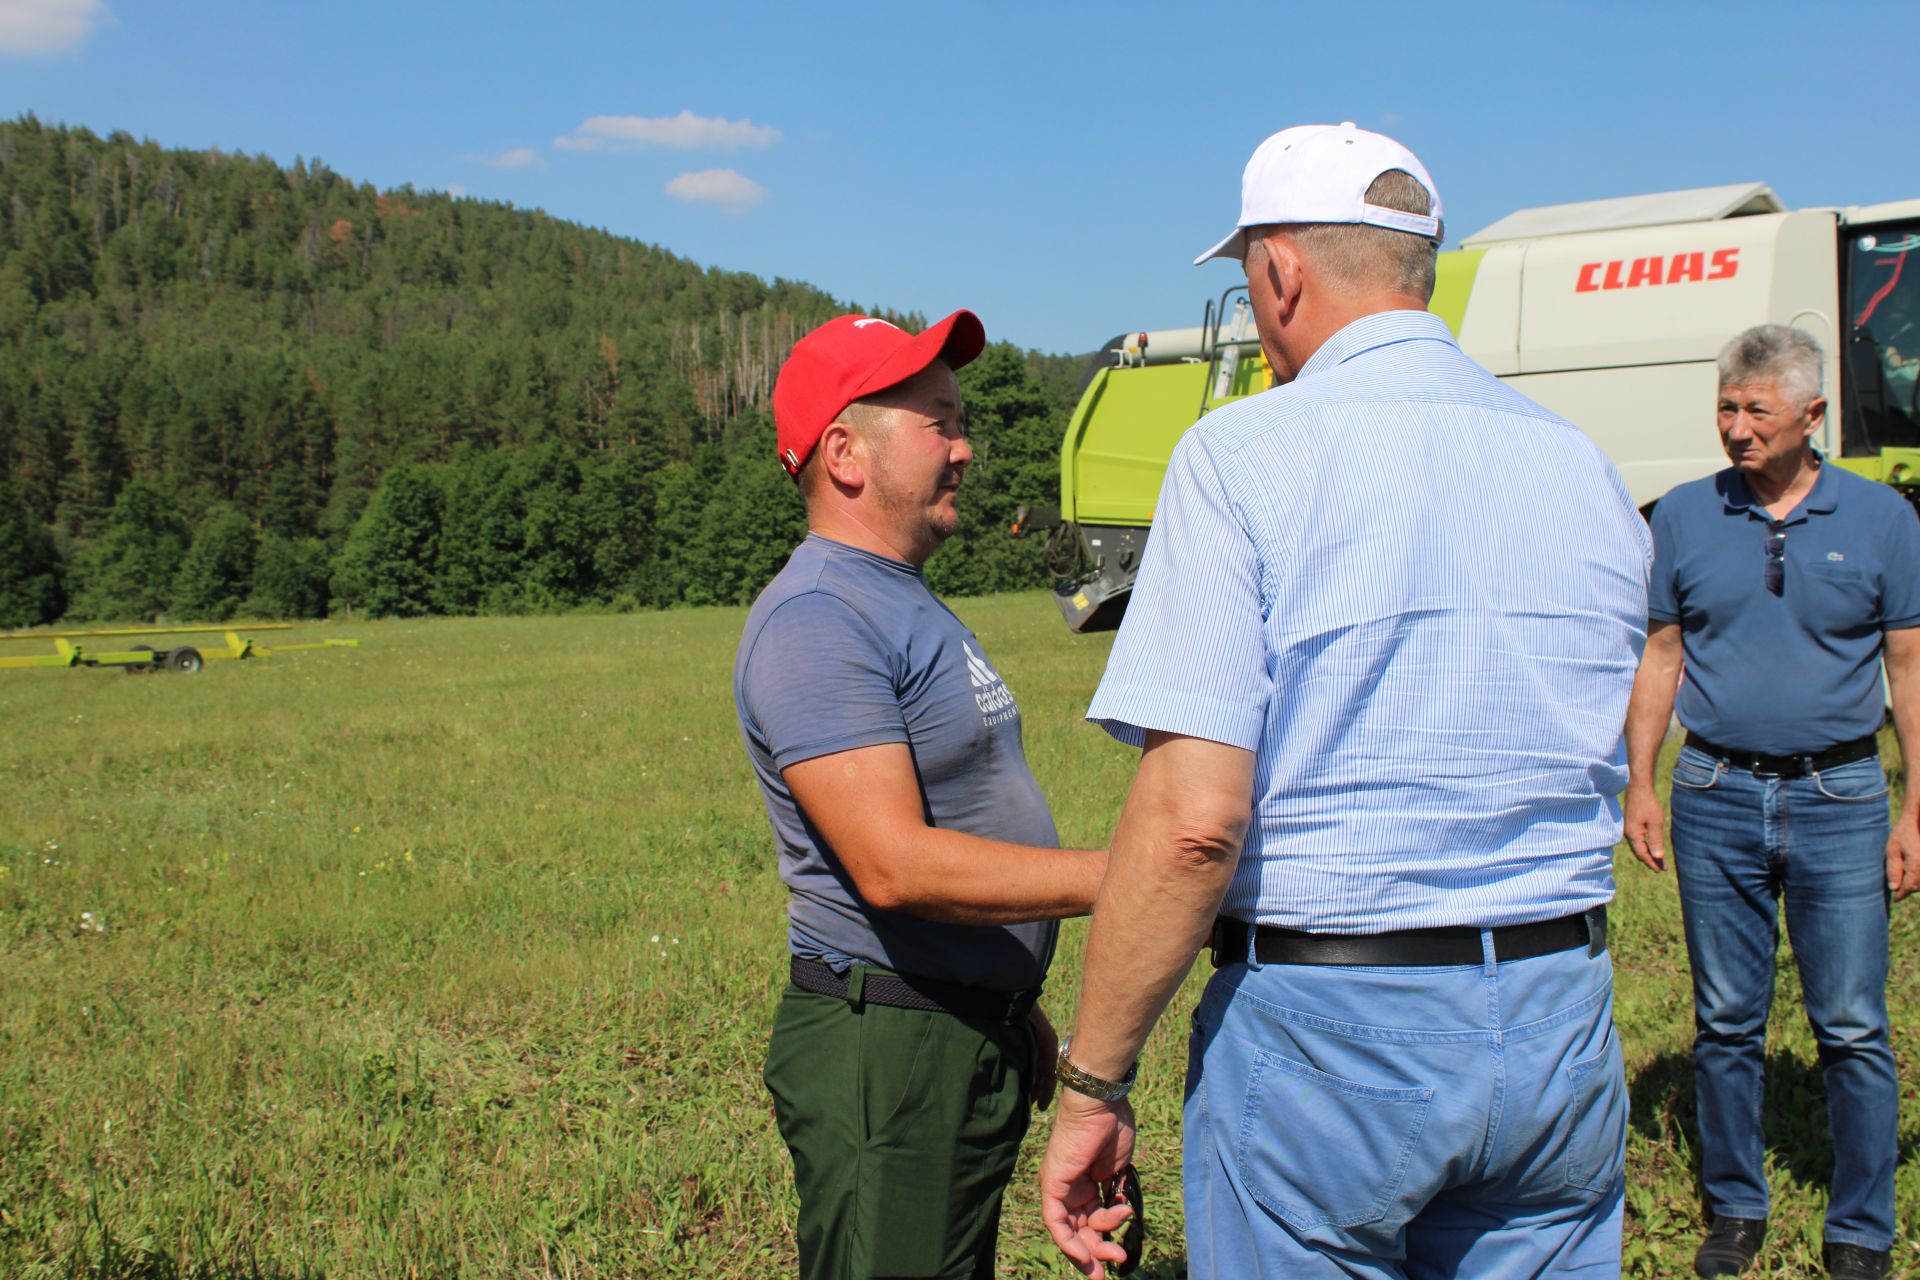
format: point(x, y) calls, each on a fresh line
point(1072, 1077)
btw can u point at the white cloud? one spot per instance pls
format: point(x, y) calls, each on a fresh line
point(684, 132)
point(731, 190)
point(516, 158)
point(48, 26)
point(455, 190)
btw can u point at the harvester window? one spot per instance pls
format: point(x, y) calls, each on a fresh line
point(1883, 347)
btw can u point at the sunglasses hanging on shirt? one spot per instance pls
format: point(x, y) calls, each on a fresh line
point(1776, 574)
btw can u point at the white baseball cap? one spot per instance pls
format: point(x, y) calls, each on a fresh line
point(1320, 173)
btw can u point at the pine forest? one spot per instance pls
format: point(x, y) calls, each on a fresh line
point(233, 389)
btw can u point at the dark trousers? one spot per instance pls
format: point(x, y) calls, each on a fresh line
point(904, 1127)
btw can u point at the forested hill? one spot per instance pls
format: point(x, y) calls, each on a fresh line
point(229, 388)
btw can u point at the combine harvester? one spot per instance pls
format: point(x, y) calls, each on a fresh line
point(1610, 313)
point(138, 658)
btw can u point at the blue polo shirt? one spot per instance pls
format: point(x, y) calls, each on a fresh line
point(1797, 672)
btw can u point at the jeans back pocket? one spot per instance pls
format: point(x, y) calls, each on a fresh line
point(1322, 1151)
point(1597, 1118)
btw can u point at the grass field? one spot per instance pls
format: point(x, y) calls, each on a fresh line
point(456, 953)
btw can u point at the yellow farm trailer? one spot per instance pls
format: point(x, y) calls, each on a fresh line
point(70, 651)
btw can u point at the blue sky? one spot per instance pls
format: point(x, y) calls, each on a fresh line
point(1053, 167)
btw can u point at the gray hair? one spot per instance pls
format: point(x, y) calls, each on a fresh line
point(1788, 358)
point(1358, 255)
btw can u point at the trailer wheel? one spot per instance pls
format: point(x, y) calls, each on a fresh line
point(186, 660)
point(139, 668)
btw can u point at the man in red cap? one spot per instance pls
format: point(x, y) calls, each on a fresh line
point(922, 862)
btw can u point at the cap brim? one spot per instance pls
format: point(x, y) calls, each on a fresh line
point(959, 340)
point(1234, 246)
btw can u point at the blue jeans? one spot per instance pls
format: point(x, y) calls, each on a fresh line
point(1742, 843)
point(1426, 1122)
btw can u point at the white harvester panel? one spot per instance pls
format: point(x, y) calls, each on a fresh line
point(1617, 330)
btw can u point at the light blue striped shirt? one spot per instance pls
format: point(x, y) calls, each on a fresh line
point(1420, 599)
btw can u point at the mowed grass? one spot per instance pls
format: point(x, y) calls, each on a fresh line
point(456, 954)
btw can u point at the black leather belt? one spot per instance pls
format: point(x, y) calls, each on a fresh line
point(1408, 947)
point(907, 991)
point(1799, 766)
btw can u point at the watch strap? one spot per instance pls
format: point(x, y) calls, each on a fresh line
point(1085, 1082)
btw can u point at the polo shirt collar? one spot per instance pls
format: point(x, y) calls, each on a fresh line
point(1822, 500)
point(1377, 330)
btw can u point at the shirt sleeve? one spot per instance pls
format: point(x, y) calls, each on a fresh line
point(1191, 656)
point(1663, 592)
point(819, 681)
point(1900, 588)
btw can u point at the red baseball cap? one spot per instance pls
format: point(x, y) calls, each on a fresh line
point(853, 356)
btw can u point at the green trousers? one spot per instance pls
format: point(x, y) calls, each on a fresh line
point(903, 1126)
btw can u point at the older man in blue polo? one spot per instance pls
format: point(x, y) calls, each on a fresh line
point(1779, 586)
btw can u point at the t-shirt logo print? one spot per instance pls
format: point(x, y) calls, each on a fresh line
point(989, 690)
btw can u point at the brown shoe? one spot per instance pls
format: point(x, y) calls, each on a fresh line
point(1730, 1247)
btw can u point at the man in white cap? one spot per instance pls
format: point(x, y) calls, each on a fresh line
point(1379, 672)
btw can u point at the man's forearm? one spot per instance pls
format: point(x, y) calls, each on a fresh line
point(870, 809)
point(1173, 857)
point(961, 879)
point(1903, 692)
point(1650, 709)
point(1145, 933)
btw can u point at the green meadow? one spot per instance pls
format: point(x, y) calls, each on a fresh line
point(454, 954)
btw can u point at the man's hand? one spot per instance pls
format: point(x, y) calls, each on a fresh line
point(1903, 856)
point(1046, 1058)
point(1646, 826)
point(1092, 1142)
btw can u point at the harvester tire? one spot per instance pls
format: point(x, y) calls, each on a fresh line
point(139, 668)
point(186, 660)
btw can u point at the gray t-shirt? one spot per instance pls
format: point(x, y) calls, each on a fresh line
point(848, 649)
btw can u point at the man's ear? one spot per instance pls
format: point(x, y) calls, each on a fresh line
point(841, 456)
point(1817, 413)
point(1288, 276)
